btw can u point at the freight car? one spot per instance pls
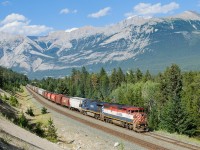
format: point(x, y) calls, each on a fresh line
point(65, 101)
point(59, 98)
point(76, 103)
point(49, 95)
point(44, 94)
point(40, 91)
point(129, 117)
point(53, 97)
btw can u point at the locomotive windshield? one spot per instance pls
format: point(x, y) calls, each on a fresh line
point(134, 111)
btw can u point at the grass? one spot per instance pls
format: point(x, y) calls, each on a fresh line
point(25, 102)
point(182, 138)
point(38, 120)
point(29, 115)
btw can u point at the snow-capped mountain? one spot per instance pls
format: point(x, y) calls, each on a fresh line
point(147, 43)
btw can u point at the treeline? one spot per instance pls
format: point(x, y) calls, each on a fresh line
point(171, 98)
point(10, 80)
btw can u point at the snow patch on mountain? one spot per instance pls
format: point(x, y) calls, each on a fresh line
point(70, 30)
point(90, 45)
point(36, 64)
point(39, 54)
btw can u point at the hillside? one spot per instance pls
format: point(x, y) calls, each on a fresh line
point(137, 42)
point(14, 137)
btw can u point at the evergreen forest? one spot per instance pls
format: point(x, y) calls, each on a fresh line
point(171, 98)
point(11, 81)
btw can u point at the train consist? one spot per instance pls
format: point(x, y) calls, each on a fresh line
point(129, 117)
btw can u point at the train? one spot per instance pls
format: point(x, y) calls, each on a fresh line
point(130, 117)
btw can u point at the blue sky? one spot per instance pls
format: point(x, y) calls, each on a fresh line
point(38, 17)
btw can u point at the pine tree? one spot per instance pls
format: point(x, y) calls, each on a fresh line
point(153, 120)
point(191, 101)
point(113, 80)
point(104, 84)
point(62, 87)
point(120, 77)
point(51, 131)
point(166, 117)
point(173, 117)
point(147, 76)
point(130, 77)
point(138, 75)
point(121, 97)
point(83, 79)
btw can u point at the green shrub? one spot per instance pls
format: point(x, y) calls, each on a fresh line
point(29, 111)
point(121, 146)
point(21, 90)
point(38, 129)
point(22, 121)
point(43, 110)
point(13, 101)
point(51, 134)
point(5, 97)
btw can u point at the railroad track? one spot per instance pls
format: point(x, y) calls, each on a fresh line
point(124, 136)
point(172, 141)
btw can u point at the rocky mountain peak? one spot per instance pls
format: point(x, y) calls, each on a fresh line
point(188, 15)
point(148, 43)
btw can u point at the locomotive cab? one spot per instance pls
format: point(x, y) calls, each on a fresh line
point(139, 119)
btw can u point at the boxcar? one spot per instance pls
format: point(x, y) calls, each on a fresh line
point(44, 94)
point(53, 97)
point(65, 101)
point(48, 95)
point(76, 102)
point(58, 98)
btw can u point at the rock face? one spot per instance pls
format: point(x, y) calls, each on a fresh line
point(152, 43)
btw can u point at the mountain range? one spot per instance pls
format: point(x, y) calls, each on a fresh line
point(136, 42)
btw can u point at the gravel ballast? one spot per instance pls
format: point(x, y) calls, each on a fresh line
point(80, 136)
point(90, 138)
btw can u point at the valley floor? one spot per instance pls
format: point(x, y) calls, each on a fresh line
point(72, 134)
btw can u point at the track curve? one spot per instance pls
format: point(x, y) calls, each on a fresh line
point(124, 136)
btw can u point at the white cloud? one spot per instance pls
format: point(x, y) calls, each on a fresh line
point(14, 17)
point(5, 3)
point(19, 24)
point(148, 9)
point(67, 11)
point(64, 11)
point(100, 13)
